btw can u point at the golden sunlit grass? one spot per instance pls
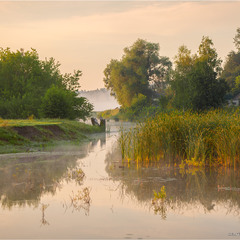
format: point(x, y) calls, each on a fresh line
point(27, 122)
point(198, 139)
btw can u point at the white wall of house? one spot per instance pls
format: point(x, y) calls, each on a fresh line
point(233, 102)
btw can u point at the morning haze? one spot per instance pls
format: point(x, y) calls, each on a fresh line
point(86, 35)
point(136, 135)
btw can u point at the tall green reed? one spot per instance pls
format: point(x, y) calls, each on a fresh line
point(212, 137)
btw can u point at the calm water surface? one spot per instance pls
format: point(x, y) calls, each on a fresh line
point(42, 196)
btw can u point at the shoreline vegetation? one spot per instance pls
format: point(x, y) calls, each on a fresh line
point(32, 135)
point(186, 139)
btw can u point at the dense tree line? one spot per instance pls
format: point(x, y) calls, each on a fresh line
point(30, 86)
point(195, 81)
point(141, 80)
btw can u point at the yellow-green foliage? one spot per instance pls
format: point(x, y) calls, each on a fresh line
point(158, 202)
point(160, 195)
point(211, 137)
point(111, 113)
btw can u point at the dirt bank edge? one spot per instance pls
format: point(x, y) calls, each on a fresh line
point(38, 137)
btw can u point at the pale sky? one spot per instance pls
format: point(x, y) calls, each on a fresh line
point(86, 35)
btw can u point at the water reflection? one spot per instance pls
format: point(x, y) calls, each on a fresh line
point(24, 178)
point(186, 188)
point(87, 192)
point(81, 200)
point(43, 220)
point(23, 182)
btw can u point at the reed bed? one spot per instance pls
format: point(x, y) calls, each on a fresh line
point(208, 138)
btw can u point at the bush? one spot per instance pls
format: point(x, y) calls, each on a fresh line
point(57, 103)
point(62, 103)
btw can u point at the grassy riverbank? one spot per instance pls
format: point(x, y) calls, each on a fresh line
point(195, 139)
point(38, 135)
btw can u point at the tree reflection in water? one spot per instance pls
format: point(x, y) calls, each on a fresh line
point(23, 180)
point(193, 188)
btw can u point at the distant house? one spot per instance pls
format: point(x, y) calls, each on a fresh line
point(234, 101)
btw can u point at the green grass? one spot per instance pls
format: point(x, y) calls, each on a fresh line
point(28, 122)
point(40, 134)
point(210, 138)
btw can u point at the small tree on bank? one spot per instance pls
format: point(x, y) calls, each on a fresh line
point(62, 103)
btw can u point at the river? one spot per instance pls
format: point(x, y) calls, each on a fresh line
point(85, 191)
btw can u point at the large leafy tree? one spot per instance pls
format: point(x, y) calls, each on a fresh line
point(206, 90)
point(207, 53)
point(195, 82)
point(180, 83)
point(236, 40)
point(22, 72)
point(141, 71)
point(25, 79)
point(231, 70)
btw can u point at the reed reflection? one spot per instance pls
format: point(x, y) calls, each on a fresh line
point(188, 188)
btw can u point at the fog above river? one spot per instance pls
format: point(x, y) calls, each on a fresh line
point(86, 191)
point(100, 98)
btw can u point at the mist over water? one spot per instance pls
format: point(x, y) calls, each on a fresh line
point(100, 98)
point(87, 191)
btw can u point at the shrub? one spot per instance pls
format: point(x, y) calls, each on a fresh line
point(62, 103)
point(57, 103)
